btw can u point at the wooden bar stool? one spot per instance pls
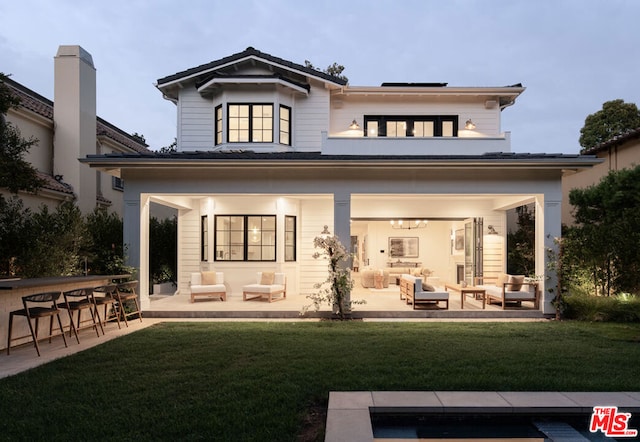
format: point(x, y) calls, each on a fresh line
point(108, 299)
point(126, 292)
point(41, 305)
point(76, 301)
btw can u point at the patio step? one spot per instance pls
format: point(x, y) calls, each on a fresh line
point(413, 314)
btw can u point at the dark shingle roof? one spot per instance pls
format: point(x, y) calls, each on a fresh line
point(250, 51)
point(311, 156)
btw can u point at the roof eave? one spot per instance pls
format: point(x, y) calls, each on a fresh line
point(107, 163)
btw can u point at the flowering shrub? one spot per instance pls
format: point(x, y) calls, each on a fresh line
point(336, 289)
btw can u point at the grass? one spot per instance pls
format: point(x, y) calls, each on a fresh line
point(258, 381)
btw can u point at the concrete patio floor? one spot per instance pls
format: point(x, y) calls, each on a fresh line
point(383, 303)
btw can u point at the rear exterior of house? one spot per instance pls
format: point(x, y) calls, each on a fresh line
point(270, 151)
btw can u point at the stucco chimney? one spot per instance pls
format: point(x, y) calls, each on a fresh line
point(74, 117)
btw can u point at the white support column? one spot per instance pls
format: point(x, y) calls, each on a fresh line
point(548, 228)
point(136, 244)
point(143, 269)
point(342, 217)
point(342, 220)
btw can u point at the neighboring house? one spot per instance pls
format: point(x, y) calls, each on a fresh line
point(67, 129)
point(270, 151)
point(621, 152)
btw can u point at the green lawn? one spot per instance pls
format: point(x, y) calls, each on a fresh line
point(258, 381)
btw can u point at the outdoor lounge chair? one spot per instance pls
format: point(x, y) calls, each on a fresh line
point(509, 288)
point(208, 285)
point(269, 285)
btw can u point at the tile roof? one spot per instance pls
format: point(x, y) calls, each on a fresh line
point(250, 51)
point(42, 106)
point(51, 183)
point(615, 141)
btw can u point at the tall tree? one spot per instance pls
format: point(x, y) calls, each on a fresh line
point(521, 244)
point(607, 231)
point(615, 118)
point(15, 172)
point(334, 69)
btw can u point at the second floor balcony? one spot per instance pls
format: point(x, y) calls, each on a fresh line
point(403, 146)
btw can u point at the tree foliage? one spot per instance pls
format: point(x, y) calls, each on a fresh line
point(615, 118)
point(334, 69)
point(163, 250)
point(521, 244)
point(15, 172)
point(604, 241)
point(173, 147)
point(105, 251)
point(55, 242)
point(59, 242)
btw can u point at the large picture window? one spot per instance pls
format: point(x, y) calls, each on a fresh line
point(250, 123)
point(411, 126)
point(245, 237)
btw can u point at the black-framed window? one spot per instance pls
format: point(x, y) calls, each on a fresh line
point(285, 125)
point(422, 126)
point(245, 237)
point(117, 183)
point(204, 238)
point(250, 123)
point(289, 238)
point(218, 124)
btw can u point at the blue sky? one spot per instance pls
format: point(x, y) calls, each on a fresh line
point(571, 55)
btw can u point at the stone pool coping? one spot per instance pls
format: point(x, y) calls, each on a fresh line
point(349, 412)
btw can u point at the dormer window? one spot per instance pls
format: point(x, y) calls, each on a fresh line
point(250, 123)
point(253, 123)
point(411, 126)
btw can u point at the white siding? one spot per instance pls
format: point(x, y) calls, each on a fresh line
point(487, 121)
point(315, 215)
point(195, 121)
point(188, 247)
point(310, 118)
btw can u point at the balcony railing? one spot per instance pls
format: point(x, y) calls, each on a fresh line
point(415, 146)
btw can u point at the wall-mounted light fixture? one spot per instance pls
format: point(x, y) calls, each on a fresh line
point(354, 125)
point(469, 125)
point(411, 224)
point(325, 232)
point(491, 230)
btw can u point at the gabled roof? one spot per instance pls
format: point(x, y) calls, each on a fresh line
point(42, 106)
point(249, 53)
point(615, 141)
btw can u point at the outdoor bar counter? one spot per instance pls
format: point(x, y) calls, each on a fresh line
point(12, 291)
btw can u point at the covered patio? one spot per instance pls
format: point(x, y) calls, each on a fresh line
point(380, 303)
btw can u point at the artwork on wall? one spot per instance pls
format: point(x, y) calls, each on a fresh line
point(401, 247)
point(459, 240)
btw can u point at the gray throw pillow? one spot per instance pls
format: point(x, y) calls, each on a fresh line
point(428, 287)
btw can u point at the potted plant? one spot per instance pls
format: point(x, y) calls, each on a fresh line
point(163, 281)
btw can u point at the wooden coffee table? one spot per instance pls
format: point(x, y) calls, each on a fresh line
point(468, 290)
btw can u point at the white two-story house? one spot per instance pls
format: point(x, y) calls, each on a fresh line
point(270, 151)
